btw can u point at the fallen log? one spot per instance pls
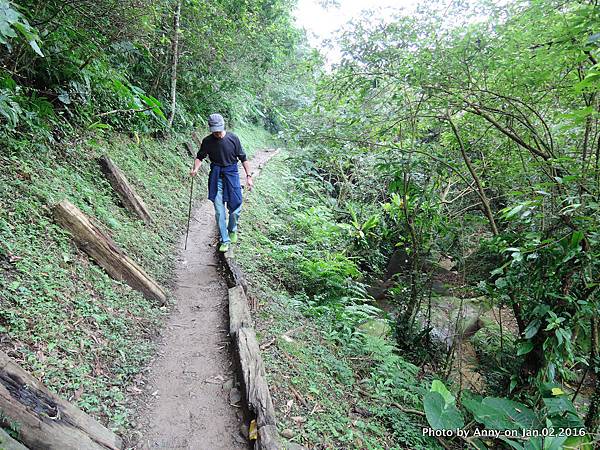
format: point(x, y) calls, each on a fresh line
point(239, 314)
point(126, 193)
point(46, 421)
point(102, 249)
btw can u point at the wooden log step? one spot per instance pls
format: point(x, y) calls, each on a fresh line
point(102, 249)
point(126, 193)
point(46, 422)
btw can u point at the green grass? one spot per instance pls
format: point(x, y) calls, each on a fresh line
point(63, 318)
point(253, 138)
point(332, 386)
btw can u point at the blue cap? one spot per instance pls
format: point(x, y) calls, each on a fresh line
point(216, 123)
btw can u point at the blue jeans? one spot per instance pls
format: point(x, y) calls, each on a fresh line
point(221, 215)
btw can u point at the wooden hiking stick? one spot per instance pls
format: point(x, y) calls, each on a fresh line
point(189, 214)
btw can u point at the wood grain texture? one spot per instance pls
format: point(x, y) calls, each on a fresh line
point(268, 438)
point(234, 275)
point(239, 313)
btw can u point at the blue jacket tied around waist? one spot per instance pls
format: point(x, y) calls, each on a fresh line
point(232, 190)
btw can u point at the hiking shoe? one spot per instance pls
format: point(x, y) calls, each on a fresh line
point(224, 247)
point(233, 237)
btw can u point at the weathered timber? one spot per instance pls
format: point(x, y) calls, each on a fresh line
point(8, 443)
point(254, 377)
point(46, 422)
point(126, 193)
point(239, 314)
point(102, 249)
point(258, 397)
point(268, 438)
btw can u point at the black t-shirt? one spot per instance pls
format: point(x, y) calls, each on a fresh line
point(223, 152)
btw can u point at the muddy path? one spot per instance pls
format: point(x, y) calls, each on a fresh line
point(194, 401)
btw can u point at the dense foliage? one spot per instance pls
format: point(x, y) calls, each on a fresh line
point(471, 133)
point(107, 63)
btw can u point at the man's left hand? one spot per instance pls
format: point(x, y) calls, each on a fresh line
point(249, 183)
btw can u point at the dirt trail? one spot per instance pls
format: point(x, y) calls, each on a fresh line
point(191, 379)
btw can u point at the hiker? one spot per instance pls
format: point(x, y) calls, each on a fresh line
point(224, 149)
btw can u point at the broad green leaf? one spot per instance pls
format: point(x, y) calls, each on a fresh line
point(557, 391)
point(440, 388)
point(532, 328)
point(524, 348)
point(513, 444)
point(578, 443)
point(559, 405)
point(501, 413)
point(440, 415)
point(36, 48)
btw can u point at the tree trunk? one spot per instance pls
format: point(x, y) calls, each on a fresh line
point(484, 200)
point(175, 54)
point(45, 420)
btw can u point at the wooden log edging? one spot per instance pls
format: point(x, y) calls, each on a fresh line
point(249, 360)
point(46, 421)
point(131, 200)
point(239, 314)
point(102, 249)
point(256, 388)
point(254, 376)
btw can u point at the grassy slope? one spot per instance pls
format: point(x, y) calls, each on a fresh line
point(332, 387)
point(83, 334)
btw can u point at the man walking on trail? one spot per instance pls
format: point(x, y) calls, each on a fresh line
point(224, 150)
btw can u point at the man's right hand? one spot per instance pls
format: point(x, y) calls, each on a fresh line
point(193, 173)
